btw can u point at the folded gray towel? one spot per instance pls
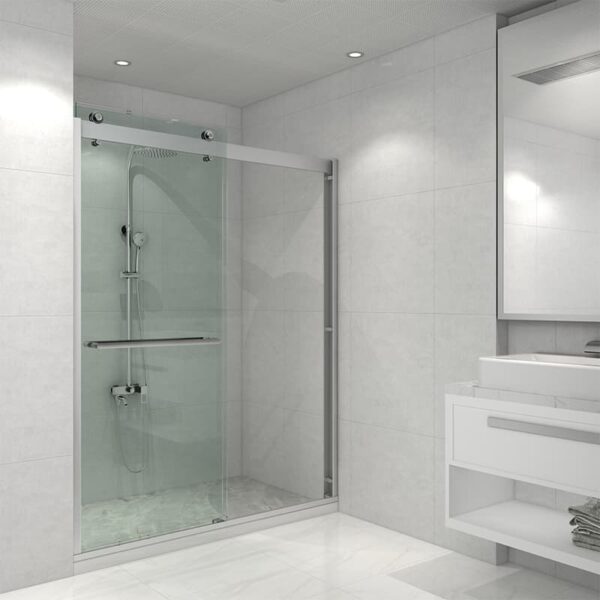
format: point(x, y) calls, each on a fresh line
point(584, 523)
point(590, 510)
point(586, 532)
point(590, 542)
point(586, 519)
point(586, 546)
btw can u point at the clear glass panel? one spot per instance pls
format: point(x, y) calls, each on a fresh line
point(283, 334)
point(152, 459)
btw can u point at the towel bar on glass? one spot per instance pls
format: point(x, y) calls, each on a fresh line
point(563, 433)
point(152, 343)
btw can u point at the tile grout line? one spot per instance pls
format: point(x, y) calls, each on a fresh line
point(427, 190)
point(37, 172)
point(37, 28)
point(33, 460)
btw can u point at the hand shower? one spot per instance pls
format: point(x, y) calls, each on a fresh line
point(138, 239)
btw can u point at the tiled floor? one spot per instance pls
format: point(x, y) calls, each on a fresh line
point(334, 557)
point(120, 520)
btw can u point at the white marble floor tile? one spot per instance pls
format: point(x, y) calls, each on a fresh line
point(457, 577)
point(170, 565)
point(529, 585)
point(384, 587)
point(106, 584)
point(453, 574)
point(251, 577)
point(341, 550)
point(334, 594)
point(334, 557)
point(576, 592)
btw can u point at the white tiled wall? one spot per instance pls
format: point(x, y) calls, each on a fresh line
point(415, 135)
point(548, 336)
point(551, 220)
point(36, 306)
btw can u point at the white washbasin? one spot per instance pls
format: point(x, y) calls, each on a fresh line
point(563, 375)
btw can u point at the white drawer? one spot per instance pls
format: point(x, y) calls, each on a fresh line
point(549, 446)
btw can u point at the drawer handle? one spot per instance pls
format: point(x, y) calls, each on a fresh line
point(563, 433)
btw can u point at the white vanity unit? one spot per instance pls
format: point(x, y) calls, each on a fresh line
point(523, 445)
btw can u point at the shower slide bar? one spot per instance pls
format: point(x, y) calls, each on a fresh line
point(153, 343)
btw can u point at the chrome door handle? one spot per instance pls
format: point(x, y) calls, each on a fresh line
point(153, 343)
point(554, 431)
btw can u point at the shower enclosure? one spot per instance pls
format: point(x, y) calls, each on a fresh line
point(206, 331)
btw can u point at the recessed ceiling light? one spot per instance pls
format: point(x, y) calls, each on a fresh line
point(355, 54)
point(122, 63)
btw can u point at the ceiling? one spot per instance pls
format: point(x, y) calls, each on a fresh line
point(241, 51)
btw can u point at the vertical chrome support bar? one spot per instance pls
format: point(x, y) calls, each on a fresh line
point(77, 336)
point(224, 315)
point(331, 331)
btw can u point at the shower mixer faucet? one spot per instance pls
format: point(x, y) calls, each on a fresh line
point(121, 392)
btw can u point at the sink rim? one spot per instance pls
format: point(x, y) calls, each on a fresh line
point(577, 361)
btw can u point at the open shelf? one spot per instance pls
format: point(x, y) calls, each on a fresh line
point(528, 527)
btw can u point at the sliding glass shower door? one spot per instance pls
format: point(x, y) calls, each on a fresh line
point(207, 332)
point(152, 327)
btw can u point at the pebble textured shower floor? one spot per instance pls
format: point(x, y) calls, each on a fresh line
point(123, 520)
point(334, 557)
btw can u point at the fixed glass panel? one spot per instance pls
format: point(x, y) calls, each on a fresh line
point(152, 428)
point(283, 331)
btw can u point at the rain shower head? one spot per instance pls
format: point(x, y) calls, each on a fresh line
point(149, 152)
